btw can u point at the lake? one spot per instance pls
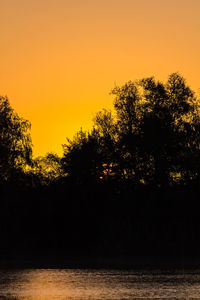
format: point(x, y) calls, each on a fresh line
point(68, 284)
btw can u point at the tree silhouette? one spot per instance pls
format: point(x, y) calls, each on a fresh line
point(48, 168)
point(15, 141)
point(127, 107)
point(170, 127)
point(158, 130)
point(82, 160)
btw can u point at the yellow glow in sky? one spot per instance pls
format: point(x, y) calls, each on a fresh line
point(60, 58)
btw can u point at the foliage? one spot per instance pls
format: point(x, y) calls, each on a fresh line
point(82, 159)
point(47, 167)
point(152, 139)
point(15, 140)
point(158, 129)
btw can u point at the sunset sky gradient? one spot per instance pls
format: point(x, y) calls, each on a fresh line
point(60, 58)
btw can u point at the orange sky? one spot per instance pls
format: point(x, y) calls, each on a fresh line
point(60, 58)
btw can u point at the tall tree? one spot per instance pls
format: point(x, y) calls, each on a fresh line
point(15, 141)
point(158, 128)
point(127, 106)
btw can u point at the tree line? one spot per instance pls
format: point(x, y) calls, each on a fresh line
point(151, 138)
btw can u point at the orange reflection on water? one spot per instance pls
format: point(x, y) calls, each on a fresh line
point(46, 285)
point(54, 284)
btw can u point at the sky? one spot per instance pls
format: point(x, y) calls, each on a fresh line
point(60, 59)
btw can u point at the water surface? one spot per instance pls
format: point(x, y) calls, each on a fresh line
point(54, 284)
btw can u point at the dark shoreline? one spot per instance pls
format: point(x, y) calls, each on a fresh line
point(139, 263)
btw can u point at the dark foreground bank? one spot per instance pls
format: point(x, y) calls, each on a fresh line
point(65, 226)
